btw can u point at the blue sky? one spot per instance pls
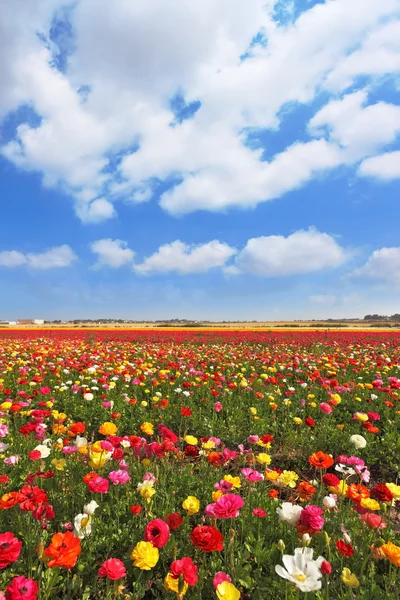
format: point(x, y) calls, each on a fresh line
point(207, 162)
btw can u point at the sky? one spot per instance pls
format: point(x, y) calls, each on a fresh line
point(212, 159)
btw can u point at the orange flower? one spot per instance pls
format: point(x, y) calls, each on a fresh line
point(90, 476)
point(64, 550)
point(321, 460)
point(8, 500)
point(357, 492)
point(392, 552)
point(305, 490)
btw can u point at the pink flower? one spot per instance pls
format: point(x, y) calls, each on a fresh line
point(253, 439)
point(226, 507)
point(220, 577)
point(45, 390)
point(119, 477)
point(373, 416)
point(106, 446)
point(11, 460)
point(311, 518)
point(3, 430)
point(106, 404)
point(70, 449)
point(22, 589)
point(99, 485)
point(157, 533)
point(259, 512)
point(217, 407)
point(252, 475)
point(223, 486)
point(326, 408)
point(373, 521)
point(113, 569)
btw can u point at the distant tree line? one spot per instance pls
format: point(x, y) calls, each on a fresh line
point(395, 317)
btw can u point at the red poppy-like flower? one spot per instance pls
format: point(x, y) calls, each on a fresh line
point(63, 550)
point(267, 438)
point(381, 492)
point(9, 500)
point(174, 521)
point(310, 422)
point(344, 549)
point(273, 493)
point(259, 512)
point(185, 567)
point(186, 412)
point(77, 428)
point(34, 455)
point(4, 478)
point(326, 567)
point(135, 509)
point(191, 451)
point(207, 538)
point(99, 485)
point(331, 480)
point(157, 532)
point(305, 490)
point(22, 589)
point(10, 549)
point(113, 568)
point(30, 497)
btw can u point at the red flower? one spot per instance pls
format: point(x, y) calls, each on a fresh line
point(157, 532)
point(174, 521)
point(10, 549)
point(321, 460)
point(273, 494)
point(98, 484)
point(22, 589)
point(267, 438)
point(259, 512)
point(63, 550)
point(43, 513)
point(191, 451)
point(186, 568)
point(113, 568)
point(136, 509)
point(382, 493)
point(344, 549)
point(35, 455)
point(185, 411)
point(310, 422)
point(31, 497)
point(207, 538)
point(326, 568)
point(4, 479)
point(331, 480)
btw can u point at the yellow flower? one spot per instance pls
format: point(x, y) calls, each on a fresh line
point(370, 504)
point(392, 552)
point(349, 578)
point(244, 383)
point(227, 591)
point(145, 556)
point(288, 478)
point(147, 428)
point(253, 411)
point(297, 420)
point(191, 504)
point(59, 463)
point(395, 489)
point(96, 447)
point(264, 458)
point(235, 481)
point(191, 440)
point(171, 584)
point(96, 460)
point(108, 428)
point(217, 494)
point(5, 405)
point(341, 489)
point(271, 475)
point(208, 445)
point(361, 416)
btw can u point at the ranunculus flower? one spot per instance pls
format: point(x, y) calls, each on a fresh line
point(63, 550)
point(157, 532)
point(185, 567)
point(10, 549)
point(174, 521)
point(145, 556)
point(119, 477)
point(226, 507)
point(373, 521)
point(22, 589)
point(311, 518)
point(207, 538)
point(344, 549)
point(381, 492)
point(358, 441)
point(220, 577)
point(113, 568)
point(99, 485)
point(259, 512)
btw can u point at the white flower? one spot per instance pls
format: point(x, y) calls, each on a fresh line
point(82, 525)
point(148, 483)
point(289, 513)
point(344, 469)
point(80, 442)
point(43, 449)
point(89, 509)
point(4, 447)
point(358, 441)
point(302, 570)
point(186, 393)
point(374, 397)
point(88, 396)
point(329, 502)
point(125, 444)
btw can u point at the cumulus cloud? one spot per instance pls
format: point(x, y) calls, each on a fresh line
point(279, 256)
point(383, 265)
point(384, 167)
point(101, 119)
point(186, 258)
point(54, 258)
point(112, 253)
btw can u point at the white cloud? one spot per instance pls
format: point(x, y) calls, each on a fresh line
point(185, 258)
point(324, 299)
point(384, 167)
point(133, 56)
point(382, 265)
point(301, 252)
point(112, 253)
point(359, 130)
point(12, 258)
point(54, 258)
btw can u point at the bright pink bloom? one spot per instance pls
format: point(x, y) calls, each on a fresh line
point(252, 475)
point(157, 532)
point(326, 408)
point(311, 518)
point(22, 589)
point(10, 549)
point(119, 477)
point(113, 568)
point(373, 521)
point(45, 390)
point(259, 512)
point(99, 485)
point(218, 407)
point(253, 439)
point(226, 507)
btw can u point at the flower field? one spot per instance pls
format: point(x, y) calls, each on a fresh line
point(199, 464)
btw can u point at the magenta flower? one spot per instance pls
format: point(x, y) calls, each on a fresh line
point(311, 518)
point(226, 507)
point(22, 589)
point(119, 477)
point(220, 577)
